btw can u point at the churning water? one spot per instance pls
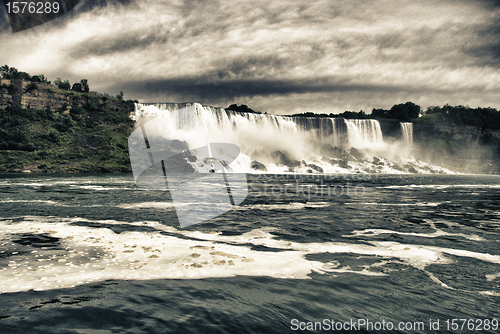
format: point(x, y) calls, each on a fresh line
point(93, 254)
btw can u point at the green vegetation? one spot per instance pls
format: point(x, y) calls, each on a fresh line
point(403, 112)
point(62, 84)
point(88, 138)
point(81, 87)
point(10, 88)
point(13, 74)
point(242, 108)
point(345, 114)
point(484, 118)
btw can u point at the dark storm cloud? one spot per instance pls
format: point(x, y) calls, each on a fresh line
point(4, 20)
point(491, 4)
point(354, 52)
point(90, 5)
point(250, 66)
point(128, 41)
point(205, 89)
point(485, 47)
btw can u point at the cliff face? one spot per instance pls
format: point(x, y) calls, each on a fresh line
point(463, 148)
point(390, 128)
point(452, 132)
point(45, 129)
point(17, 93)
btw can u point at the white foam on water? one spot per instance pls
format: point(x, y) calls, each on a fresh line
point(443, 186)
point(28, 201)
point(90, 254)
point(97, 254)
point(156, 205)
point(31, 184)
point(100, 188)
point(436, 234)
point(285, 206)
point(492, 277)
point(406, 204)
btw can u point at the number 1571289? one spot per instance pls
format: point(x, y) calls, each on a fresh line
point(32, 7)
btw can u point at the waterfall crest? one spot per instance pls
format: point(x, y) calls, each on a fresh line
point(279, 143)
point(407, 132)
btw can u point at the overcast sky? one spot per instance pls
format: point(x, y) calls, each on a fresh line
point(282, 56)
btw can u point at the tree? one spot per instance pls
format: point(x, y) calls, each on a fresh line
point(77, 87)
point(40, 79)
point(242, 108)
point(404, 112)
point(22, 76)
point(13, 73)
point(8, 72)
point(62, 84)
point(85, 86)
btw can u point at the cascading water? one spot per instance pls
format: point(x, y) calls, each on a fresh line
point(280, 143)
point(364, 133)
point(407, 132)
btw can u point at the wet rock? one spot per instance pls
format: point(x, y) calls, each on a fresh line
point(334, 152)
point(412, 169)
point(29, 169)
point(397, 167)
point(190, 156)
point(328, 160)
point(179, 145)
point(178, 164)
point(357, 154)
point(344, 163)
point(280, 158)
point(315, 167)
point(378, 162)
point(109, 169)
point(258, 166)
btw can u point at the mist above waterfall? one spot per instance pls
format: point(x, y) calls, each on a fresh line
point(283, 143)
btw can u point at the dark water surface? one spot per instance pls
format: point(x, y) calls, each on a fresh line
point(92, 254)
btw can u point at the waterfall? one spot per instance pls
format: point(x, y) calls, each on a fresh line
point(268, 139)
point(364, 133)
point(407, 132)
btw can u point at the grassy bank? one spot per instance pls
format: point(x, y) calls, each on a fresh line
point(87, 138)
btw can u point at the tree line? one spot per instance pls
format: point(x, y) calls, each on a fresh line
point(402, 112)
point(13, 73)
point(484, 118)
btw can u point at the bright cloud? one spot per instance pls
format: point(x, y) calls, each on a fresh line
point(279, 57)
